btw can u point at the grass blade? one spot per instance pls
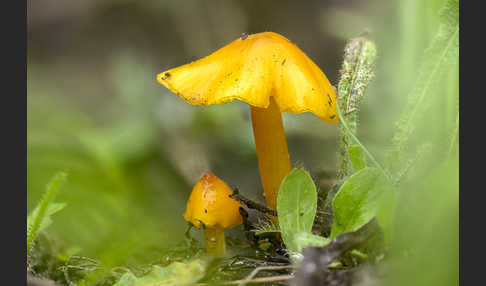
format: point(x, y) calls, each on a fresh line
point(36, 222)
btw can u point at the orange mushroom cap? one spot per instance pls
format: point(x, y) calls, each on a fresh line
point(252, 69)
point(210, 204)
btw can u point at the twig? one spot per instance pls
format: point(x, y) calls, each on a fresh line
point(269, 279)
point(263, 280)
point(261, 268)
point(251, 204)
point(249, 279)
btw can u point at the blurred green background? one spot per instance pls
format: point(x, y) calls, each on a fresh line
point(133, 150)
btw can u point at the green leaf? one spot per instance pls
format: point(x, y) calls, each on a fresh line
point(177, 273)
point(357, 72)
point(296, 206)
point(385, 214)
point(305, 239)
point(357, 200)
point(357, 157)
point(52, 209)
point(37, 221)
point(439, 57)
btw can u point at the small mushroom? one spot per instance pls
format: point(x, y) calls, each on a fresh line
point(210, 206)
point(272, 75)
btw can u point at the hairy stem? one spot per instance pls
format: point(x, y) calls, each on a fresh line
point(356, 74)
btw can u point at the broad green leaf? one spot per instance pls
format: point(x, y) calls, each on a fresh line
point(386, 213)
point(357, 200)
point(177, 273)
point(357, 157)
point(296, 206)
point(305, 239)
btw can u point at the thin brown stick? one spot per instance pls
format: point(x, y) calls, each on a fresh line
point(251, 204)
point(249, 279)
point(263, 280)
point(277, 278)
point(261, 268)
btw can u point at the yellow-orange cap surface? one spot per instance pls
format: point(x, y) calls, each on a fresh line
point(210, 204)
point(252, 69)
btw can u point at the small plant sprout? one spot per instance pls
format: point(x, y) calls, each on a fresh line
point(272, 75)
point(210, 206)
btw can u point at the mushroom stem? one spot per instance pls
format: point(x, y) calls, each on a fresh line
point(215, 241)
point(271, 148)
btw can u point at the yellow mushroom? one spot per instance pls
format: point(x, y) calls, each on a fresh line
point(210, 206)
point(272, 75)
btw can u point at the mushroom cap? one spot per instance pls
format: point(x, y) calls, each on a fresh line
point(252, 69)
point(210, 204)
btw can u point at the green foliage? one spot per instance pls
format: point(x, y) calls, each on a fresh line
point(364, 195)
point(386, 213)
point(357, 200)
point(454, 137)
point(358, 70)
point(348, 131)
point(47, 221)
point(296, 206)
point(176, 274)
point(40, 217)
point(305, 239)
point(356, 74)
point(440, 56)
point(357, 157)
point(426, 233)
point(123, 192)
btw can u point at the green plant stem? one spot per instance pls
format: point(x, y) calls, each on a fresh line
point(356, 74)
point(365, 150)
